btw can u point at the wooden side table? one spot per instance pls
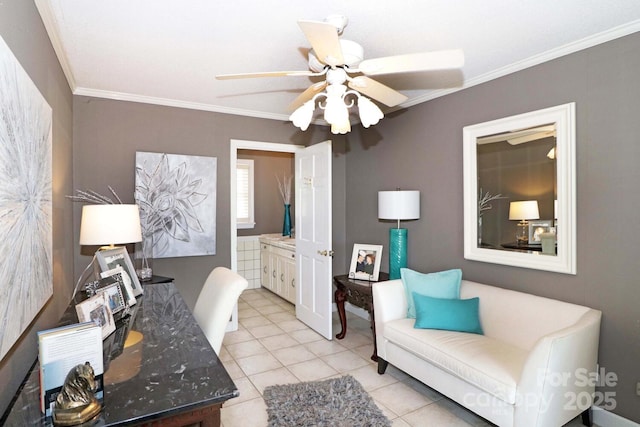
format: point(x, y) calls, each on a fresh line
point(358, 293)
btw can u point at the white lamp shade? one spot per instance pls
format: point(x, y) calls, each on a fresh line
point(341, 128)
point(369, 112)
point(527, 209)
point(303, 115)
point(110, 224)
point(399, 204)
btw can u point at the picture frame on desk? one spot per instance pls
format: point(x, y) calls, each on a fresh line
point(96, 309)
point(119, 257)
point(114, 297)
point(115, 276)
point(365, 262)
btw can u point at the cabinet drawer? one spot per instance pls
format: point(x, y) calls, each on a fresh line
point(285, 253)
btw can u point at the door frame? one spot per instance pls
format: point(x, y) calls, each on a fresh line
point(240, 144)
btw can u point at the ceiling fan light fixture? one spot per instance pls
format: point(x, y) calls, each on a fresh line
point(302, 116)
point(369, 112)
point(335, 109)
point(341, 128)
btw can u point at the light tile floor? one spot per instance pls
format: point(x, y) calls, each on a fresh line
point(272, 347)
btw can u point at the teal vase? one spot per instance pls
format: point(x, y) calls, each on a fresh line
point(286, 226)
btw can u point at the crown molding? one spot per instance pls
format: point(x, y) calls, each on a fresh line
point(167, 102)
point(49, 21)
point(585, 43)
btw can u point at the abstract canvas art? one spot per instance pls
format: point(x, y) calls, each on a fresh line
point(177, 199)
point(26, 270)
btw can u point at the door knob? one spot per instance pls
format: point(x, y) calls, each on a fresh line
point(326, 253)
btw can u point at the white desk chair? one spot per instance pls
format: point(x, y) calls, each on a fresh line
point(215, 303)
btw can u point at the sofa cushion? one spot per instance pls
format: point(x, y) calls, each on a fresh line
point(460, 315)
point(491, 365)
point(443, 284)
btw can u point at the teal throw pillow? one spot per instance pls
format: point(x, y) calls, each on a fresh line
point(443, 284)
point(460, 315)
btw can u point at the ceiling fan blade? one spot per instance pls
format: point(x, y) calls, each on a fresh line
point(426, 61)
point(377, 91)
point(266, 74)
point(324, 41)
point(307, 95)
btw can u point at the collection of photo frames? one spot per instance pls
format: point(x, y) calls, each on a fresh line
point(111, 297)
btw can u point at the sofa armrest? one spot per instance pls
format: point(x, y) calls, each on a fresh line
point(559, 369)
point(389, 301)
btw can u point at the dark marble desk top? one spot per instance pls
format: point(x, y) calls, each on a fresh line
point(173, 368)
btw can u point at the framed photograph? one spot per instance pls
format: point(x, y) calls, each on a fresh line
point(96, 309)
point(365, 262)
point(119, 257)
point(115, 276)
point(114, 297)
point(537, 227)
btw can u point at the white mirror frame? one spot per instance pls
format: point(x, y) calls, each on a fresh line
point(565, 261)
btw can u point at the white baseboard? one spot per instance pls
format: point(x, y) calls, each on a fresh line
point(603, 418)
point(360, 312)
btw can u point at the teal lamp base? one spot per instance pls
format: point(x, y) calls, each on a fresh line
point(397, 251)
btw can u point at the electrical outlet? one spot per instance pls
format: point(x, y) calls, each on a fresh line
point(638, 388)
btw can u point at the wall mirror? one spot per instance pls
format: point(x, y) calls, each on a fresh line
point(519, 190)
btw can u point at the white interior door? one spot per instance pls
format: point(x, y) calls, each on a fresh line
point(237, 144)
point(313, 237)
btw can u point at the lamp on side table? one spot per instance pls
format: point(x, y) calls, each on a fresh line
point(398, 205)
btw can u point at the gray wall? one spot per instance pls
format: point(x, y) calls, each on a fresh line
point(108, 133)
point(268, 209)
point(22, 30)
point(421, 149)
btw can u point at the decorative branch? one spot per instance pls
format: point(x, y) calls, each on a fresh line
point(93, 197)
point(485, 199)
point(285, 187)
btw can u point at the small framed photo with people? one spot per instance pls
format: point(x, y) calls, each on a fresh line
point(537, 227)
point(365, 262)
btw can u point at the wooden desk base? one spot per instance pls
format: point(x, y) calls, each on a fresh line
point(203, 417)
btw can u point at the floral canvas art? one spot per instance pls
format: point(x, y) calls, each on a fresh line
point(177, 199)
point(26, 273)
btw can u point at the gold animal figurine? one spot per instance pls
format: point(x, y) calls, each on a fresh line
point(76, 403)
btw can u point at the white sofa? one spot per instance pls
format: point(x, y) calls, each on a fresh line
point(533, 366)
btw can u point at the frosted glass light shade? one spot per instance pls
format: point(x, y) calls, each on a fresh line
point(527, 209)
point(303, 115)
point(399, 204)
point(369, 112)
point(110, 224)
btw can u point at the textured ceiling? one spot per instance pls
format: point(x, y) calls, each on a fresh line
point(168, 52)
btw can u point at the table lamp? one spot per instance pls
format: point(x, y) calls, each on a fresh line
point(523, 211)
point(108, 225)
point(398, 205)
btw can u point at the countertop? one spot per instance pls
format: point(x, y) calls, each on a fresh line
point(278, 240)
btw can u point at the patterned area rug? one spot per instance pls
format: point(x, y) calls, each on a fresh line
point(337, 402)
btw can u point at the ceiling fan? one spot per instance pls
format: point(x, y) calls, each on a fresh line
point(347, 76)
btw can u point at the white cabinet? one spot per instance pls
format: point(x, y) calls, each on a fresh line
point(278, 268)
